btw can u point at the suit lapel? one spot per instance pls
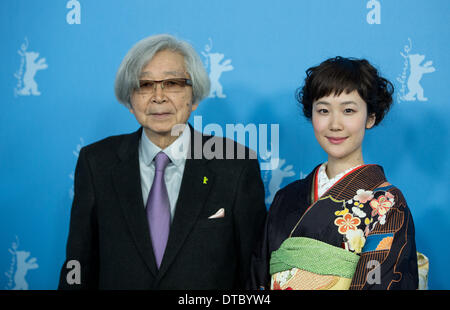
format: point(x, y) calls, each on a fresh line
point(127, 182)
point(193, 193)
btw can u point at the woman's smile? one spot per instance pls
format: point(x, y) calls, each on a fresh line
point(335, 140)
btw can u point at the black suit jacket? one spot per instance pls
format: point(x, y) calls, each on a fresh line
point(109, 233)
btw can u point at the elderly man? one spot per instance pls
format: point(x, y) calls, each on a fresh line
point(149, 212)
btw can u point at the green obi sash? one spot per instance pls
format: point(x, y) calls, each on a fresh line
point(313, 256)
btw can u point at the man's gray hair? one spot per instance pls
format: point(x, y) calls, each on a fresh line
point(127, 77)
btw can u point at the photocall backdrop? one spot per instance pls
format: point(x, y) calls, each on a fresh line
point(59, 59)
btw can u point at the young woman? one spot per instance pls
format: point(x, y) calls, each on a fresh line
point(344, 226)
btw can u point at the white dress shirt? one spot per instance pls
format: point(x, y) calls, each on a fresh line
point(177, 152)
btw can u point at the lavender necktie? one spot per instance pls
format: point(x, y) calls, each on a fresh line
point(158, 208)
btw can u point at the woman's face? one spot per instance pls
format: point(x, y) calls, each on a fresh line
point(339, 125)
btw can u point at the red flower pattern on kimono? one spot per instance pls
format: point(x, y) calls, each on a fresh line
point(276, 286)
point(347, 222)
point(381, 205)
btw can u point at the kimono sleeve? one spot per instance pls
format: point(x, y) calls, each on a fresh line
point(259, 278)
point(389, 259)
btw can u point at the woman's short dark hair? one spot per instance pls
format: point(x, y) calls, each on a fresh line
point(339, 74)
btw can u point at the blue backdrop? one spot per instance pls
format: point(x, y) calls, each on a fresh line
point(59, 59)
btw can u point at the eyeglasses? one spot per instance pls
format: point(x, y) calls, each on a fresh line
point(175, 85)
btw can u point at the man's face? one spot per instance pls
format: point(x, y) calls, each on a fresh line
point(160, 110)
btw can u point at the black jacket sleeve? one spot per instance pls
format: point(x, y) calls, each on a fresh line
point(260, 261)
point(82, 243)
point(249, 215)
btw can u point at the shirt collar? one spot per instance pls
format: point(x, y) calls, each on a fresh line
point(323, 179)
point(177, 151)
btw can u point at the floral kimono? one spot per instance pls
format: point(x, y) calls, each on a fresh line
point(357, 234)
